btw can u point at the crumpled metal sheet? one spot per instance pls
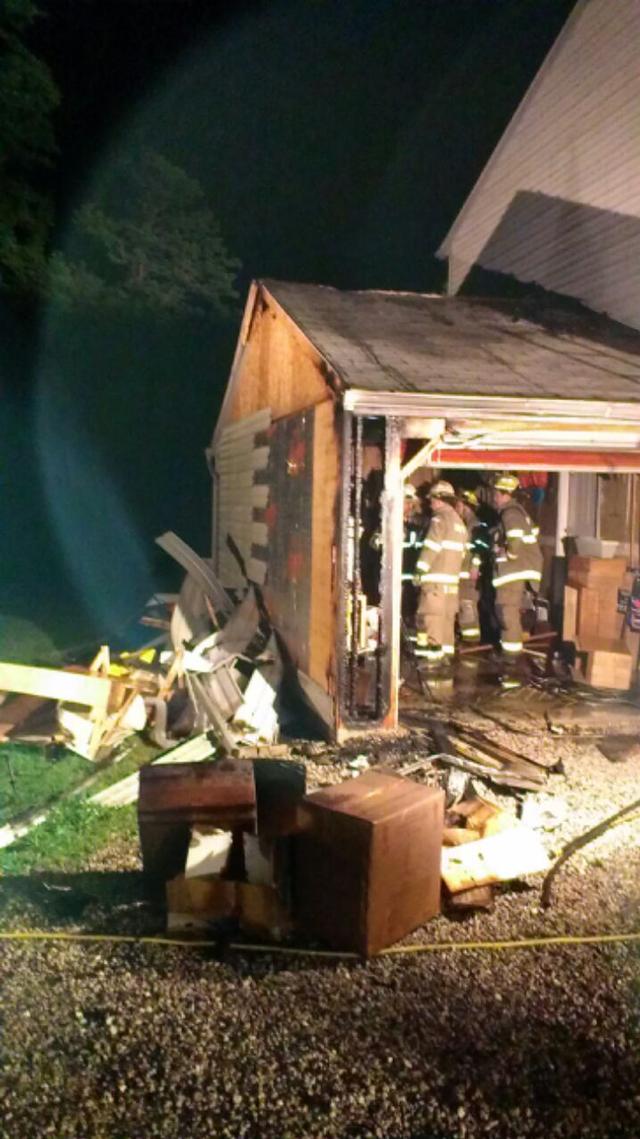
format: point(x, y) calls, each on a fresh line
point(197, 568)
point(246, 633)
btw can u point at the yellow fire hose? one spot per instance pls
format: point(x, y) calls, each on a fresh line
point(292, 951)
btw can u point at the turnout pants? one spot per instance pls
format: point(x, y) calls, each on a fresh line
point(468, 618)
point(435, 620)
point(509, 602)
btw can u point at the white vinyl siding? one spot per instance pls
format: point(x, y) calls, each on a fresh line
point(559, 201)
point(237, 463)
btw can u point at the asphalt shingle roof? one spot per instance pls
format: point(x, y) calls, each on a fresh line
point(411, 342)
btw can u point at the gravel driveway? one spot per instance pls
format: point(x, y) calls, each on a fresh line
point(133, 1042)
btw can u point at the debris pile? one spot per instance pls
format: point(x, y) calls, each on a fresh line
point(483, 846)
point(215, 835)
point(228, 833)
point(356, 866)
point(463, 747)
point(213, 667)
point(237, 842)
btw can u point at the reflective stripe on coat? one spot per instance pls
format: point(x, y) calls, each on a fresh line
point(443, 550)
point(522, 560)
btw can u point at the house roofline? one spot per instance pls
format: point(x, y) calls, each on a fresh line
point(243, 336)
point(443, 249)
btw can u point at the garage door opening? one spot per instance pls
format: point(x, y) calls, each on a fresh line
point(583, 504)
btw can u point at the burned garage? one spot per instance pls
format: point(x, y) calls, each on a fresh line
point(340, 402)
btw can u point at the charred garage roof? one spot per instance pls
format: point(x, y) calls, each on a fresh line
point(431, 344)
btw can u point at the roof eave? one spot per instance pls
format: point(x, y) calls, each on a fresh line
point(448, 406)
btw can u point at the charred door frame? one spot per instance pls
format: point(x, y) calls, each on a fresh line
point(346, 472)
point(391, 573)
point(388, 653)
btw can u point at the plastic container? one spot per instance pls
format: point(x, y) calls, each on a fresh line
point(596, 547)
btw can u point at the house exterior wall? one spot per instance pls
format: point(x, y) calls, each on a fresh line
point(276, 366)
point(301, 546)
point(288, 579)
point(276, 457)
point(324, 546)
point(558, 203)
point(240, 499)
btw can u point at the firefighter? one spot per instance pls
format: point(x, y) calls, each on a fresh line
point(468, 617)
point(518, 563)
point(413, 537)
point(438, 575)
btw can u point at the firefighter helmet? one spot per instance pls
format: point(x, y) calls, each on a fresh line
point(441, 489)
point(468, 496)
point(505, 483)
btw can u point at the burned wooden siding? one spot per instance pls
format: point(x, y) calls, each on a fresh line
point(288, 546)
point(559, 201)
point(324, 557)
point(293, 524)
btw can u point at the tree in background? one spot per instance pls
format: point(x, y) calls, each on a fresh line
point(28, 98)
point(149, 242)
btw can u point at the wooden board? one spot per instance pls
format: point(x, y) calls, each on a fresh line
point(241, 456)
point(56, 684)
point(17, 713)
point(289, 520)
point(500, 858)
point(324, 548)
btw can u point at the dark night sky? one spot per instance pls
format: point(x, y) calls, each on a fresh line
point(338, 138)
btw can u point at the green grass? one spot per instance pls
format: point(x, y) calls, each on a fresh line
point(40, 776)
point(75, 828)
point(30, 777)
point(24, 642)
point(68, 837)
point(135, 753)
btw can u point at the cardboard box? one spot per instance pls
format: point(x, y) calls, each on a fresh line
point(196, 904)
point(610, 623)
point(609, 663)
point(570, 613)
point(592, 612)
point(593, 572)
point(588, 615)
